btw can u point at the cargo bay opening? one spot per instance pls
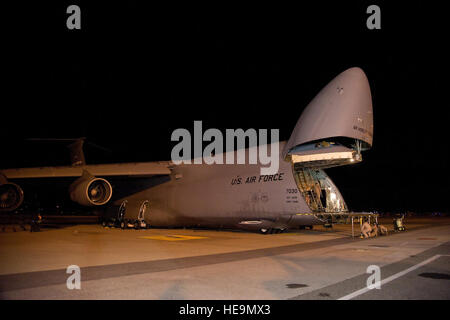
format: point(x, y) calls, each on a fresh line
point(319, 192)
point(308, 164)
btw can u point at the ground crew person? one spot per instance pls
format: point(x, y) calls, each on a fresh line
point(318, 191)
point(366, 229)
point(374, 232)
point(383, 230)
point(308, 200)
point(36, 223)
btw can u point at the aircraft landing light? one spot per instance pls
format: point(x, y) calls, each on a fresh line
point(175, 237)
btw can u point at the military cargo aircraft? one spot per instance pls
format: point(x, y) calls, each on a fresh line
point(333, 130)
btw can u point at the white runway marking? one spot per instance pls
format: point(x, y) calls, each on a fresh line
point(393, 277)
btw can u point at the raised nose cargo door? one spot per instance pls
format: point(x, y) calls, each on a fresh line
point(336, 125)
point(332, 131)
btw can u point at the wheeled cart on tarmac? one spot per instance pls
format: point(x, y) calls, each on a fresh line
point(398, 224)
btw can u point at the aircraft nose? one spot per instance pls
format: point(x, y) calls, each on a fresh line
point(343, 108)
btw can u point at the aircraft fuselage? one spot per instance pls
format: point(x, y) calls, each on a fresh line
point(221, 195)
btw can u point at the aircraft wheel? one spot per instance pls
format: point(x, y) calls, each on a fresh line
point(264, 231)
point(136, 225)
point(104, 224)
point(123, 225)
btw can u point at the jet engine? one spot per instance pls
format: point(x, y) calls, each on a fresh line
point(90, 191)
point(11, 196)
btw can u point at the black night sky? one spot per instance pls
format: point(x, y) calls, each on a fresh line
point(134, 73)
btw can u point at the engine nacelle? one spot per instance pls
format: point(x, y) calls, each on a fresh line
point(11, 196)
point(90, 191)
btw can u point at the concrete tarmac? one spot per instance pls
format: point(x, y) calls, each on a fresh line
point(208, 264)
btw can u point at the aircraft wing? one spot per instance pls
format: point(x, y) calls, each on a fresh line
point(141, 169)
point(87, 188)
